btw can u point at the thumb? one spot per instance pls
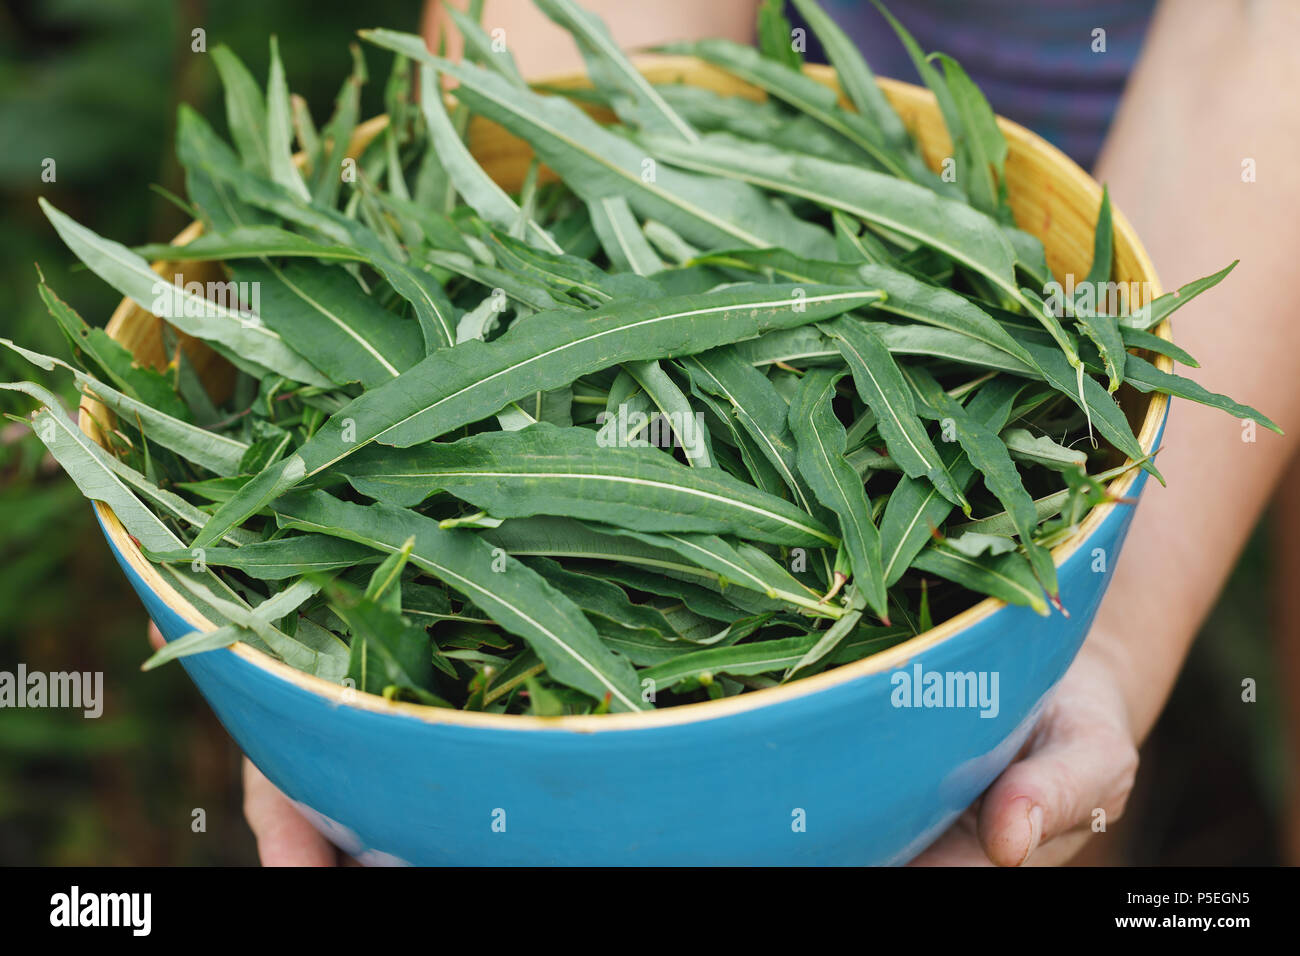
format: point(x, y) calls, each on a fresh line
point(1081, 759)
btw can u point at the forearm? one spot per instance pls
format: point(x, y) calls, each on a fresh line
point(541, 48)
point(1215, 87)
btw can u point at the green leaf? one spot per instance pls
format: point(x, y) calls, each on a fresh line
point(1103, 330)
point(635, 100)
point(279, 128)
point(277, 559)
point(515, 596)
point(549, 351)
point(821, 440)
point(1041, 450)
point(915, 509)
point(621, 236)
point(947, 225)
point(857, 81)
point(387, 651)
point(105, 358)
point(1137, 339)
point(481, 48)
point(760, 657)
point(337, 135)
point(218, 453)
point(881, 385)
point(775, 38)
point(1102, 410)
point(831, 639)
point(478, 189)
point(978, 137)
point(596, 163)
point(1145, 377)
point(1007, 577)
point(320, 310)
point(990, 457)
point(802, 92)
point(245, 111)
point(221, 324)
point(757, 407)
point(245, 242)
point(1164, 306)
point(543, 469)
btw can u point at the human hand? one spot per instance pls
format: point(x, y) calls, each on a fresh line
point(284, 837)
point(1079, 757)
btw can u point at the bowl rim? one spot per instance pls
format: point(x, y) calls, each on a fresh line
point(888, 659)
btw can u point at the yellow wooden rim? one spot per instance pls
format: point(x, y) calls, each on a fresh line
point(910, 101)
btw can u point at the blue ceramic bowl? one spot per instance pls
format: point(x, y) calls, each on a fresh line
point(832, 769)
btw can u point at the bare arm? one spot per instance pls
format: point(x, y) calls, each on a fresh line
point(1216, 85)
point(541, 48)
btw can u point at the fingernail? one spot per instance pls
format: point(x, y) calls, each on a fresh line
point(1034, 820)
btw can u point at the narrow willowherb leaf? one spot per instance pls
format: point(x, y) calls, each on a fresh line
point(977, 136)
point(279, 128)
point(1138, 339)
point(224, 324)
point(486, 198)
point(597, 163)
point(1005, 576)
point(218, 453)
point(990, 457)
point(515, 596)
point(1145, 377)
point(1164, 306)
point(801, 92)
point(321, 310)
point(621, 236)
point(635, 100)
point(858, 82)
point(735, 566)
point(543, 469)
point(831, 639)
point(905, 295)
point(1102, 329)
point(947, 225)
point(687, 429)
point(481, 48)
point(915, 509)
point(881, 385)
point(279, 558)
point(1024, 445)
point(760, 657)
point(757, 407)
point(97, 476)
point(821, 440)
point(245, 242)
point(245, 110)
point(1047, 507)
point(105, 358)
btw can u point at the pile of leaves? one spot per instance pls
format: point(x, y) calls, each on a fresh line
point(727, 393)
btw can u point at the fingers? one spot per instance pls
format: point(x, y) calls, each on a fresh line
point(1080, 767)
point(155, 637)
point(284, 837)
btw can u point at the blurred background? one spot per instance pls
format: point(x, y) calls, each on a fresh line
point(94, 86)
